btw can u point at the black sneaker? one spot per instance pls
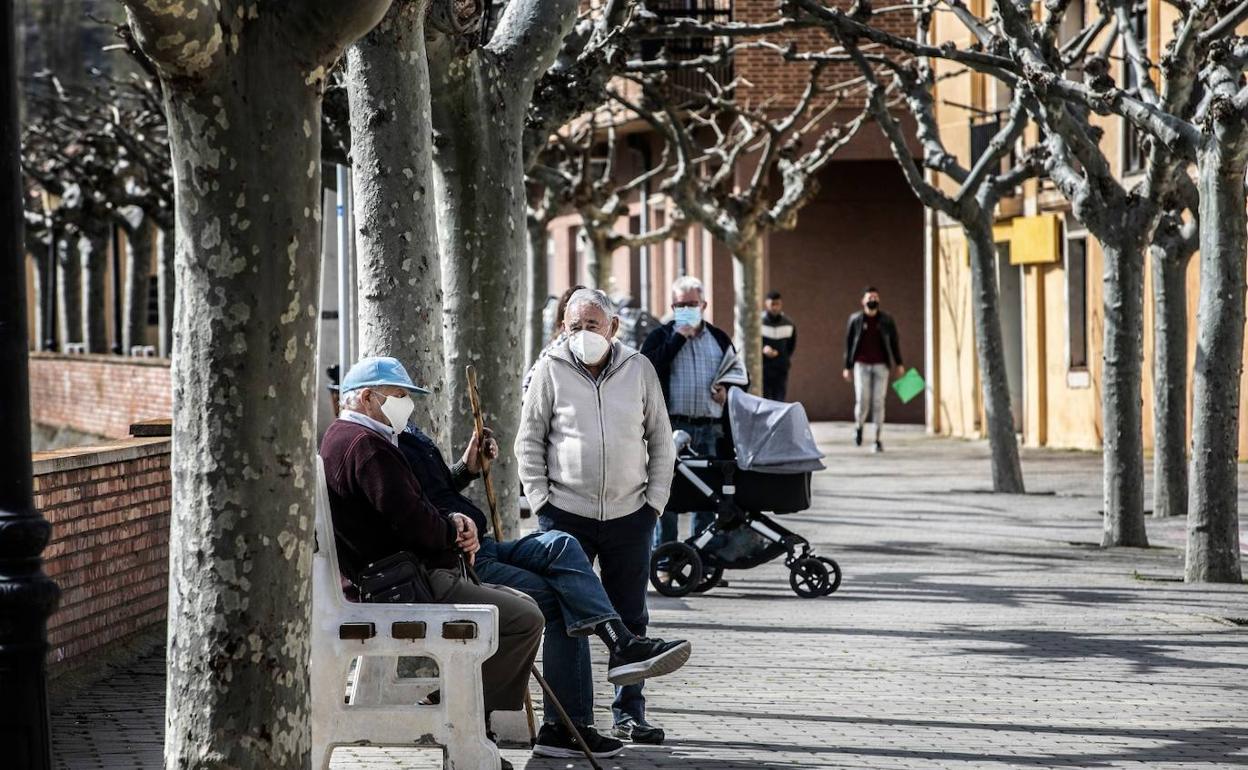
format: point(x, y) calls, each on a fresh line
point(878, 448)
point(638, 731)
point(857, 436)
point(554, 740)
point(641, 658)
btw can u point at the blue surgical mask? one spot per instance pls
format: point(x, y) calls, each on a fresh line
point(688, 316)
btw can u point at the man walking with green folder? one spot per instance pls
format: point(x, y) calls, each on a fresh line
point(872, 349)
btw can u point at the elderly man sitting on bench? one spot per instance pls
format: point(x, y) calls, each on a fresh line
point(550, 567)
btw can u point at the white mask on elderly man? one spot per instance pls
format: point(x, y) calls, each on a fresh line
point(397, 409)
point(589, 347)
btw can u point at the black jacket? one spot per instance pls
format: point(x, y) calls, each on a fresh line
point(665, 342)
point(440, 483)
point(888, 330)
point(781, 334)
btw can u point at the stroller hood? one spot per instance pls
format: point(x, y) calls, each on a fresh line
point(771, 436)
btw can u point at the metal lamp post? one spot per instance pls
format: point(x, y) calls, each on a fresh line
point(27, 596)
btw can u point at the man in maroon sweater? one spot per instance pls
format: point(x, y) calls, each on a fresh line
point(378, 509)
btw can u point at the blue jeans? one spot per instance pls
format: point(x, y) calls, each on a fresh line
point(552, 568)
point(623, 546)
point(705, 440)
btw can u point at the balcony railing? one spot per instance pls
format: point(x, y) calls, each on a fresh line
point(688, 81)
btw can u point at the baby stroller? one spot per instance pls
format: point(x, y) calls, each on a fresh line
point(775, 454)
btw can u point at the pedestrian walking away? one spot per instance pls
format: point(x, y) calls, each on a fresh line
point(779, 344)
point(596, 460)
point(872, 351)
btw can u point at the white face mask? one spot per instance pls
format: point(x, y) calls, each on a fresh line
point(589, 347)
point(397, 409)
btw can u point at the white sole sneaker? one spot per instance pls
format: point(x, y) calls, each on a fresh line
point(559, 752)
point(666, 663)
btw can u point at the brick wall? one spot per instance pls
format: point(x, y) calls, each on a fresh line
point(100, 395)
point(771, 78)
point(109, 507)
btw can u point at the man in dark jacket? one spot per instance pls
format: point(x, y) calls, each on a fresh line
point(378, 509)
point(687, 353)
point(872, 350)
point(779, 344)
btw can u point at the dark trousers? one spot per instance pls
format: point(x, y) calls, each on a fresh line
point(775, 383)
point(623, 548)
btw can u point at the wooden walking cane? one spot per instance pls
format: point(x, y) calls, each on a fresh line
point(479, 428)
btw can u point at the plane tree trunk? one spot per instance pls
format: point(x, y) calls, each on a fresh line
point(1169, 256)
point(1213, 505)
point(93, 255)
point(1007, 471)
point(480, 97)
point(400, 280)
point(242, 96)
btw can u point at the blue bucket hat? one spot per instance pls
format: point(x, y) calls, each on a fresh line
point(379, 370)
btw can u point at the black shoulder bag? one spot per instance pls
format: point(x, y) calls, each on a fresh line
point(396, 579)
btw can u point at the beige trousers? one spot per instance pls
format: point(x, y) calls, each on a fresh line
point(520, 625)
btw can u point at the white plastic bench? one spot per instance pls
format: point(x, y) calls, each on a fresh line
point(379, 709)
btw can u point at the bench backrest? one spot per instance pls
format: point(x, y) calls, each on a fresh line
point(326, 574)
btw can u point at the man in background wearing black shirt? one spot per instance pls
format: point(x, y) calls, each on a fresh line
point(779, 344)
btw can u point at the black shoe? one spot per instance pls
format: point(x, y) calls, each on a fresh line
point(638, 731)
point(641, 658)
point(503, 764)
point(878, 448)
point(857, 436)
point(554, 740)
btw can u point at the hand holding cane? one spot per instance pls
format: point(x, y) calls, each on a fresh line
point(496, 522)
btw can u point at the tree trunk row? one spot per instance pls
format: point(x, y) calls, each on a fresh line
point(1007, 471)
point(1213, 513)
point(400, 307)
point(1121, 388)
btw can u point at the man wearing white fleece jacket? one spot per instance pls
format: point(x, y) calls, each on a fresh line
point(596, 460)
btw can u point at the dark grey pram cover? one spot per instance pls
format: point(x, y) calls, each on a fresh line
point(771, 436)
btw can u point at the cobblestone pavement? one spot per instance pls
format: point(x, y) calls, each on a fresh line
point(971, 631)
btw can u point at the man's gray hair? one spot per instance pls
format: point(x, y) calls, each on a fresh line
point(596, 297)
point(688, 283)
point(352, 399)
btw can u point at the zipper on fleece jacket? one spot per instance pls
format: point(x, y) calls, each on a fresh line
point(602, 426)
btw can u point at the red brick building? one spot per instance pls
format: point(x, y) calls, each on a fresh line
point(864, 227)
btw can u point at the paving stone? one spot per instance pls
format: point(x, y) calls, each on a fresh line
point(971, 631)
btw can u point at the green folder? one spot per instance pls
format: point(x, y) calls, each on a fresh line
point(909, 385)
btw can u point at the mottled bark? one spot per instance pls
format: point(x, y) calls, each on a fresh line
point(243, 92)
point(747, 282)
point(400, 281)
point(1121, 387)
point(139, 243)
point(93, 255)
point(599, 259)
point(481, 215)
point(1213, 507)
point(1169, 265)
point(480, 95)
point(1007, 471)
point(538, 284)
point(165, 277)
point(68, 291)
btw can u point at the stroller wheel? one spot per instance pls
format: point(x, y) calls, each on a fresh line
point(675, 569)
point(808, 577)
point(710, 579)
point(834, 575)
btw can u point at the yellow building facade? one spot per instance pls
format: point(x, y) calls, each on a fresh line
point(1049, 279)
